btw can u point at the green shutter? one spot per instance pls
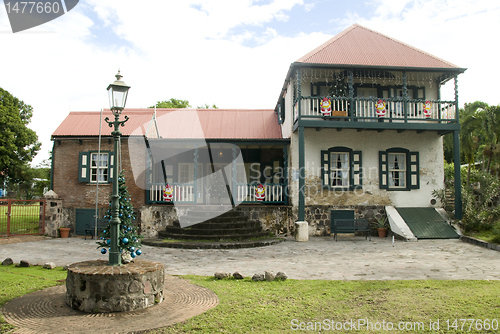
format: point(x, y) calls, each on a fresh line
point(84, 167)
point(383, 170)
point(356, 181)
point(325, 168)
point(413, 172)
point(110, 167)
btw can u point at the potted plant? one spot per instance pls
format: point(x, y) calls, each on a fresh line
point(64, 232)
point(381, 225)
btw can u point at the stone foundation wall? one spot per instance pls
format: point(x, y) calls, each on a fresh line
point(275, 219)
point(318, 216)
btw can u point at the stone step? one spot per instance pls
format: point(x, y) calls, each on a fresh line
point(214, 237)
point(213, 214)
point(213, 232)
point(208, 225)
point(218, 223)
point(213, 245)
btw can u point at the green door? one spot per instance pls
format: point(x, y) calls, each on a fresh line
point(340, 214)
point(84, 217)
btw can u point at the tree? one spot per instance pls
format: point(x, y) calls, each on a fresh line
point(18, 143)
point(129, 242)
point(206, 106)
point(172, 103)
point(469, 133)
point(489, 117)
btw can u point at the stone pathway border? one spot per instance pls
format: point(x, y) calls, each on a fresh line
point(481, 243)
point(45, 311)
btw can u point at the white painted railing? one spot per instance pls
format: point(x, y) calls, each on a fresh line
point(182, 192)
point(312, 107)
point(366, 109)
point(272, 193)
point(416, 110)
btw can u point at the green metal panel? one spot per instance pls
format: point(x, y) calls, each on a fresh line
point(340, 214)
point(83, 217)
point(427, 223)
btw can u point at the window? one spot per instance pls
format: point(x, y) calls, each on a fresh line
point(99, 167)
point(186, 173)
point(399, 169)
point(93, 168)
point(341, 168)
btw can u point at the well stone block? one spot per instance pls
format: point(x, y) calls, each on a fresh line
point(95, 287)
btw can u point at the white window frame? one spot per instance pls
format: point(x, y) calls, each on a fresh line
point(99, 173)
point(343, 171)
point(397, 172)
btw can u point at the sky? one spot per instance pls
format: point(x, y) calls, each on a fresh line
point(231, 53)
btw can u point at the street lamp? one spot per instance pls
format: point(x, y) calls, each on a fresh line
point(117, 92)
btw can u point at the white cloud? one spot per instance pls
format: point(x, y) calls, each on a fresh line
point(173, 49)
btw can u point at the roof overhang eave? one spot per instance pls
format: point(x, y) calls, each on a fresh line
point(296, 65)
point(376, 67)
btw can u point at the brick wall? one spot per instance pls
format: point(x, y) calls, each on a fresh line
point(83, 195)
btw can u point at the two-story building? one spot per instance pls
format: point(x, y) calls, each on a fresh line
point(357, 128)
point(365, 116)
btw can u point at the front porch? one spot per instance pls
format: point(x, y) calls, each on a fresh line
point(217, 173)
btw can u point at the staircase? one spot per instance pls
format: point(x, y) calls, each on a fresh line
point(450, 198)
point(232, 225)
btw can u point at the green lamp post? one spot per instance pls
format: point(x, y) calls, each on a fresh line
point(117, 92)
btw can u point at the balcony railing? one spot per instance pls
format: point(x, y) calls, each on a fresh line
point(370, 110)
point(272, 193)
point(181, 193)
point(245, 192)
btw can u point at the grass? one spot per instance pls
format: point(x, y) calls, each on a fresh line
point(269, 307)
point(17, 281)
point(24, 218)
point(487, 236)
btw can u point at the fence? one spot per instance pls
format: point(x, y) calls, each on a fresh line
point(22, 217)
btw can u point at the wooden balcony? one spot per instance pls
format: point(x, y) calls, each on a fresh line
point(362, 113)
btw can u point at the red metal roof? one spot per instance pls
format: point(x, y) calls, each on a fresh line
point(180, 123)
point(218, 123)
point(358, 45)
point(86, 123)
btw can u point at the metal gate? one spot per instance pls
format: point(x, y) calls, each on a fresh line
point(22, 217)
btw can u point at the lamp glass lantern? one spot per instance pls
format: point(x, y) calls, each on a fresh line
point(117, 93)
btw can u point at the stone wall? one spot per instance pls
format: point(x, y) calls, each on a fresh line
point(94, 286)
point(273, 218)
point(54, 216)
point(319, 219)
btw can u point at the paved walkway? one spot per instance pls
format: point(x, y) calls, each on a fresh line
point(45, 311)
point(321, 258)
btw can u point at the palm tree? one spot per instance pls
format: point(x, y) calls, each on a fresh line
point(490, 128)
point(469, 133)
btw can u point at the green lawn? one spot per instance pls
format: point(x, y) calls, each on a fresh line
point(24, 218)
point(283, 307)
point(15, 282)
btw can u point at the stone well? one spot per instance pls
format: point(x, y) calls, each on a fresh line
point(94, 286)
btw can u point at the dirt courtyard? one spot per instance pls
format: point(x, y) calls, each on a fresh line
point(21, 238)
